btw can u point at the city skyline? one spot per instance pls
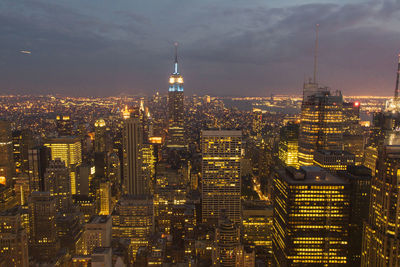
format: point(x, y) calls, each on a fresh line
point(73, 49)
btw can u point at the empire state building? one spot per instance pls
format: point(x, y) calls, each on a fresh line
point(175, 108)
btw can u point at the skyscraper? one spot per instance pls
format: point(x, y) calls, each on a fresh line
point(221, 156)
point(381, 242)
point(7, 167)
point(38, 159)
point(43, 242)
point(100, 137)
point(132, 139)
point(289, 145)
point(22, 142)
point(176, 130)
point(321, 125)
point(353, 136)
point(311, 218)
point(69, 150)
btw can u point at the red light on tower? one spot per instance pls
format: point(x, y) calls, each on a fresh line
point(356, 104)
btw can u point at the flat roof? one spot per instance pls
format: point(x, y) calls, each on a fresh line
point(221, 132)
point(311, 177)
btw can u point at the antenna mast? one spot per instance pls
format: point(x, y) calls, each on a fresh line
point(316, 53)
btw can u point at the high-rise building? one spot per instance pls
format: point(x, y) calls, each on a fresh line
point(57, 182)
point(321, 125)
point(100, 136)
point(353, 136)
point(359, 178)
point(133, 219)
point(43, 242)
point(227, 246)
point(133, 138)
point(7, 167)
point(289, 145)
point(176, 131)
point(311, 218)
point(221, 176)
point(69, 150)
point(105, 197)
point(97, 233)
point(13, 239)
point(64, 125)
point(334, 160)
point(381, 242)
point(21, 188)
point(22, 142)
point(38, 158)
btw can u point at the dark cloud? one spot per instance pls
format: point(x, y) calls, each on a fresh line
point(226, 47)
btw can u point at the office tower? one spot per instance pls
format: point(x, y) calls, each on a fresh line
point(105, 197)
point(7, 167)
point(289, 144)
point(43, 243)
point(321, 125)
point(13, 239)
point(257, 227)
point(257, 126)
point(64, 125)
point(359, 178)
point(311, 218)
point(176, 131)
point(101, 257)
point(133, 219)
point(370, 157)
point(133, 138)
point(57, 182)
point(21, 188)
point(87, 206)
point(226, 243)
point(381, 240)
point(147, 165)
point(221, 176)
point(334, 160)
point(69, 150)
point(22, 142)
point(7, 198)
point(353, 136)
point(100, 136)
point(38, 159)
point(97, 233)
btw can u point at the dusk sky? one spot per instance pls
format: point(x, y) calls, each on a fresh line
point(226, 47)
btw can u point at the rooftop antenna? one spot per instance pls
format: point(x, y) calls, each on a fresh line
point(176, 57)
point(316, 53)
point(396, 91)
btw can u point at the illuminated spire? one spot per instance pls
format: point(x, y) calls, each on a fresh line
point(176, 58)
point(396, 91)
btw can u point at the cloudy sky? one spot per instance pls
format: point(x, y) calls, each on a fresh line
point(227, 47)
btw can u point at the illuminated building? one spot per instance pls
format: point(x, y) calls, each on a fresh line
point(334, 159)
point(22, 141)
point(101, 257)
point(21, 188)
point(289, 145)
point(147, 162)
point(371, 155)
point(226, 243)
point(133, 138)
point(133, 219)
point(13, 239)
point(64, 125)
point(69, 150)
point(359, 178)
point(97, 233)
point(43, 242)
point(7, 167)
point(105, 197)
point(7, 198)
point(221, 181)
point(353, 136)
point(176, 131)
point(311, 218)
point(321, 125)
point(87, 206)
point(38, 158)
point(257, 122)
point(100, 137)
point(381, 240)
point(57, 182)
point(257, 227)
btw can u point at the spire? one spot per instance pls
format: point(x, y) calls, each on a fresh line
point(176, 58)
point(396, 91)
point(316, 53)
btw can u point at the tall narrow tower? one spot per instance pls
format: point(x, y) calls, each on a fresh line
point(175, 107)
